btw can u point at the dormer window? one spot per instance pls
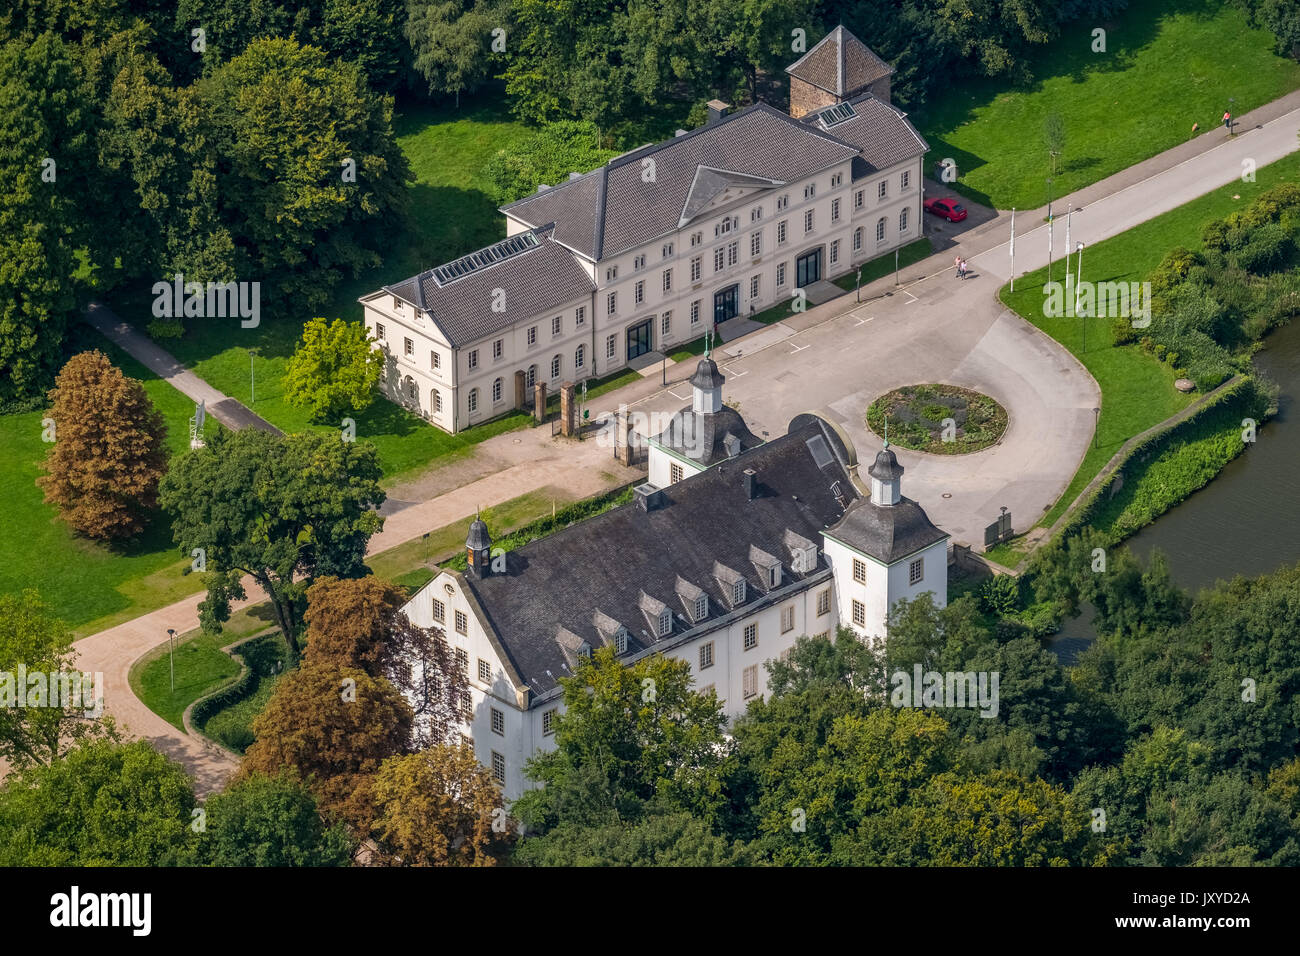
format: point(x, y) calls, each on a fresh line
point(702, 607)
point(584, 650)
point(774, 577)
point(665, 622)
point(620, 641)
point(738, 592)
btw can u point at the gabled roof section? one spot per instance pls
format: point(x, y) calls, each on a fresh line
point(886, 533)
point(711, 183)
point(529, 273)
point(638, 197)
point(839, 63)
point(882, 134)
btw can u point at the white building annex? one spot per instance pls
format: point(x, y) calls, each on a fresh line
point(655, 247)
point(724, 567)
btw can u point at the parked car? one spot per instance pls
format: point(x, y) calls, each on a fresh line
point(950, 209)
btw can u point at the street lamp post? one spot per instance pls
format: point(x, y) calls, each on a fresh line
point(857, 289)
point(1078, 277)
point(1096, 424)
point(171, 656)
point(252, 379)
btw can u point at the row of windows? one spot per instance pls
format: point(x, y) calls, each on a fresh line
point(882, 189)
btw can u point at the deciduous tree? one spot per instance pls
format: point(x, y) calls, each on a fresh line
point(334, 370)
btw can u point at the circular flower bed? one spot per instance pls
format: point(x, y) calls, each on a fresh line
point(942, 419)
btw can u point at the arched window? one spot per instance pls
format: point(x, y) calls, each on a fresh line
point(555, 367)
point(902, 220)
point(413, 391)
point(580, 357)
point(880, 229)
point(857, 239)
point(496, 391)
point(437, 402)
point(531, 378)
point(473, 400)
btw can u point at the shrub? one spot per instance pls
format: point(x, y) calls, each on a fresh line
point(1122, 331)
point(1268, 250)
point(1000, 594)
point(166, 329)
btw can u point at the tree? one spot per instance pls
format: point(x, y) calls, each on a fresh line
point(103, 804)
point(359, 622)
point(1054, 137)
point(32, 637)
point(333, 727)
point(43, 124)
point(452, 42)
point(629, 736)
point(334, 370)
point(109, 452)
point(279, 509)
point(548, 156)
point(675, 839)
point(268, 821)
point(440, 807)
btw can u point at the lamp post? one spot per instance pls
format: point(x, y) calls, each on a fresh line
point(252, 380)
point(1096, 424)
point(1078, 277)
point(1051, 229)
point(857, 289)
point(171, 656)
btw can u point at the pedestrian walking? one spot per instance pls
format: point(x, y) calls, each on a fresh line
point(1227, 121)
point(961, 269)
point(1195, 127)
point(956, 264)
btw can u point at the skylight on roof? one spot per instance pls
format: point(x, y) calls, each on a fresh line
point(820, 453)
point(839, 113)
point(493, 254)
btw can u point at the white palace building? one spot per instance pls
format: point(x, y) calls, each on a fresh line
point(734, 550)
point(649, 250)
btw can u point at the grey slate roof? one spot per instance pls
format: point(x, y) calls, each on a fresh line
point(613, 209)
point(881, 132)
point(887, 533)
point(839, 63)
point(613, 561)
point(702, 438)
point(535, 281)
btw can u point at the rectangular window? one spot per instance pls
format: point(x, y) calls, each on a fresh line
point(466, 705)
point(780, 275)
point(498, 348)
point(706, 655)
point(498, 768)
point(810, 191)
point(835, 210)
point(611, 303)
point(668, 280)
point(751, 636)
point(880, 230)
point(859, 571)
point(498, 722)
point(859, 614)
point(548, 721)
point(837, 180)
point(823, 601)
point(484, 671)
point(580, 316)
point(751, 680)
point(462, 623)
point(557, 326)
point(435, 361)
point(733, 253)
point(674, 473)
point(437, 401)
point(782, 202)
point(857, 239)
point(695, 312)
point(756, 214)
point(638, 262)
point(638, 294)
point(717, 259)
point(611, 346)
point(701, 607)
point(439, 611)
point(903, 220)
point(753, 287)
point(666, 323)
point(408, 347)
point(787, 618)
point(906, 178)
point(696, 239)
point(695, 269)
point(496, 391)
point(835, 251)
point(808, 221)
point(611, 273)
point(462, 661)
point(472, 360)
point(379, 331)
point(859, 198)
point(883, 189)
point(668, 250)
point(756, 244)
point(738, 592)
point(532, 335)
point(916, 571)
point(780, 232)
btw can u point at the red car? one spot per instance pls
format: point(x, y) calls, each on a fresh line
point(950, 209)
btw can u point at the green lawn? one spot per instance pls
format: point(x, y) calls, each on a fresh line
point(1137, 390)
point(1169, 64)
point(90, 585)
point(232, 726)
point(882, 266)
point(201, 665)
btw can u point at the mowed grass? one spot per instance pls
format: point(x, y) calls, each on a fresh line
point(451, 213)
point(1168, 64)
point(1137, 390)
point(90, 585)
point(882, 266)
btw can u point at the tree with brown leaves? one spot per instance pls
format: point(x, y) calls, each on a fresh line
point(358, 622)
point(109, 451)
point(440, 807)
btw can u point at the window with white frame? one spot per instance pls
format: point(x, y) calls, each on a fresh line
point(530, 376)
point(787, 618)
point(408, 347)
point(738, 592)
point(835, 251)
point(823, 601)
point(498, 768)
point(439, 611)
point(809, 191)
point(496, 391)
point(733, 253)
point(859, 198)
point(837, 180)
point(750, 680)
point(471, 402)
point(498, 349)
point(756, 214)
point(379, 331)
point(882, 189)
point(557, 326)
point(780, 232)
point(668, 280)
point(835, 210)
point(462, 660)
point(696, 267)
point(580, 357)
point(532, 335)
point(906, 178)
point(808, 221)
point(696, 239)
point(674, 473)
point(611, 273)
point(724, 227)
point(435, 361)
point(555, 367)
point(695, 312)
point(756, 244)
point(701, 607)
point(620, 641)
point(753, 287)
point(437, 402)
point(859, 571)
point(665, 622)
point(916, 571)
point(857, 239)
point(903, 220)
point(611, 346)
point(782, 202)
point(498, 722)
point(666, 323)
point(580, 316)
point(462, 626)
point(880, 229)
point(718, 254)
point(466, 704)
point(859, 613)
point(638, 295)
point(638, 263)
point(548, 721)
point(484, 671)
point(611, 303)
point(751, 636)
point(780, 275)
point(667, 250)
point(706, 655)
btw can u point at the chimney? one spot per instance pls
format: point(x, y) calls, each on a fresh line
point(648, 497)
point(717, 110)
point(750, 480)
